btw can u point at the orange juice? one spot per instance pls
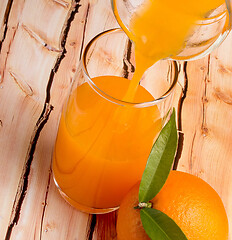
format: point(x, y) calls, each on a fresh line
point(102, 148)
point(160, 29)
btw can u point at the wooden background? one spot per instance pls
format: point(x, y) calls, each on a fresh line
point(41, 42)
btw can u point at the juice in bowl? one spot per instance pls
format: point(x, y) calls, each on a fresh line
point(108, 125)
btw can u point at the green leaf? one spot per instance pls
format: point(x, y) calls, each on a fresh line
point(159, 226)
point(159, 161)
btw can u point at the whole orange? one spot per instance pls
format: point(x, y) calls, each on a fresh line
point(192, 203)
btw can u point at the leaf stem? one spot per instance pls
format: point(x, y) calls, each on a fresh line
point(143, 205)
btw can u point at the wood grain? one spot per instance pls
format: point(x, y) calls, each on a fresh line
point(23, 96)
point(206, 118)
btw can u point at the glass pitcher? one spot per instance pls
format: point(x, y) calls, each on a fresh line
point(180, 30)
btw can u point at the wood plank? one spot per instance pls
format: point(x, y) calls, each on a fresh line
point(23, 99)
point(206, 116)
point(21, 107)
point(49, 223)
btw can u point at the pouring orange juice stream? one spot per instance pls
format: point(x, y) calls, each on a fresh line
point(90, 165)
point(159, 29)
